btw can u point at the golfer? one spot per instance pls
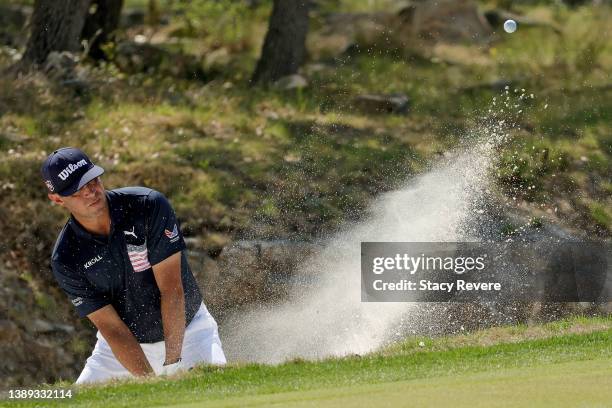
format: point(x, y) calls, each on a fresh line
point(121, 260)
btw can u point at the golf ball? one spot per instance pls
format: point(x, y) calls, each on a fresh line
point(510, 26)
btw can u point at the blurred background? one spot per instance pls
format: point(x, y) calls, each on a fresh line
point(271, 125)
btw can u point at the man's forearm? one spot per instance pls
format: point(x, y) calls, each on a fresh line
point(129, 352)
point(173, 318)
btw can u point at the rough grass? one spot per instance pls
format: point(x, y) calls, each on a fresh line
point(510, 351)
point(309, 154)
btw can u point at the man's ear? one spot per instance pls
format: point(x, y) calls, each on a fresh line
point(56, 198)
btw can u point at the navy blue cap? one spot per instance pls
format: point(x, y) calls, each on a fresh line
point(67, 170)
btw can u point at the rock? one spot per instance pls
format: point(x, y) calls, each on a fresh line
point(193, 243)
point(9, 332)
point(241, 279)
point(214, 243)
point(373, 104)
point(216, 60)
point(315, 68)
point(342, 31)
point(458, 54)
point(61, 65)
point(132, 17)
point(205, 269)
point(366, 26)
point(11, 135)
point(66, 358)
point(288, 82)
point(133, 57)
point(40, 326)
point(450, 20)
point(282, 259)
point(447, 20)
point(68, 329)
point(240, 253)
point(249, 272)
point(417, 25)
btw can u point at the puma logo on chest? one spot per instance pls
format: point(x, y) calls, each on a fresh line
point(132, 233)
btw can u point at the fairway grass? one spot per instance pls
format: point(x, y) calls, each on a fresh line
point(571, 365)
point(576, 384)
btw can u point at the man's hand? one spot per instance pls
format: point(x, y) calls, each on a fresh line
point(121, 341)
point(171, 369)
point(168, 278)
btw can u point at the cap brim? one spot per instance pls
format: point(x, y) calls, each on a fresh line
point(91, 174)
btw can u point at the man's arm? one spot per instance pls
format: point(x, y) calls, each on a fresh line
point(121, 341)
point(168, 277)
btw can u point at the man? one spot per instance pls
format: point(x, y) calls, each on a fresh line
point(121, 260)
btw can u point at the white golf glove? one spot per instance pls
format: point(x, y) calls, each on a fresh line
point(171, 369)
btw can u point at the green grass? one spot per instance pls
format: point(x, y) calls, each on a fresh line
point(564, 385)
point(494, 362)
point(239, 161)
point(601, 215)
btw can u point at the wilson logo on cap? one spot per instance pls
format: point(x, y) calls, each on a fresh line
point(71, 168)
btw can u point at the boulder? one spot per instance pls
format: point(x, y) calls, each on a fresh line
point(288, 82)
point(61, 65)
point(315, 68)
point(417, 22)
point(133, 57)
point(39, 326)
point(342, 31)
point(248, 272)
point(63, 68)
point(447, 20)
point(216, 60)
point(241, 279)
point(379, 103)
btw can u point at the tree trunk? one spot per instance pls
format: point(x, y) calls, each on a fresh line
point(284, 48)
point(153, 13)
point(56, 25)
point(100, 25)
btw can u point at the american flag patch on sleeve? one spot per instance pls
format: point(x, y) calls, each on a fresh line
point(171, 234)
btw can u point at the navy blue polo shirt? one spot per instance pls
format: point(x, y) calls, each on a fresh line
point(96, 270)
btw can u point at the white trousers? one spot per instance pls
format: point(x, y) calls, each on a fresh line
point(201, 344)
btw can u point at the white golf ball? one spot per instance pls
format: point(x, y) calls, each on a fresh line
point(510, 26)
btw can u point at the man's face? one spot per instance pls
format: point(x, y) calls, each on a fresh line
point(88, 202)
